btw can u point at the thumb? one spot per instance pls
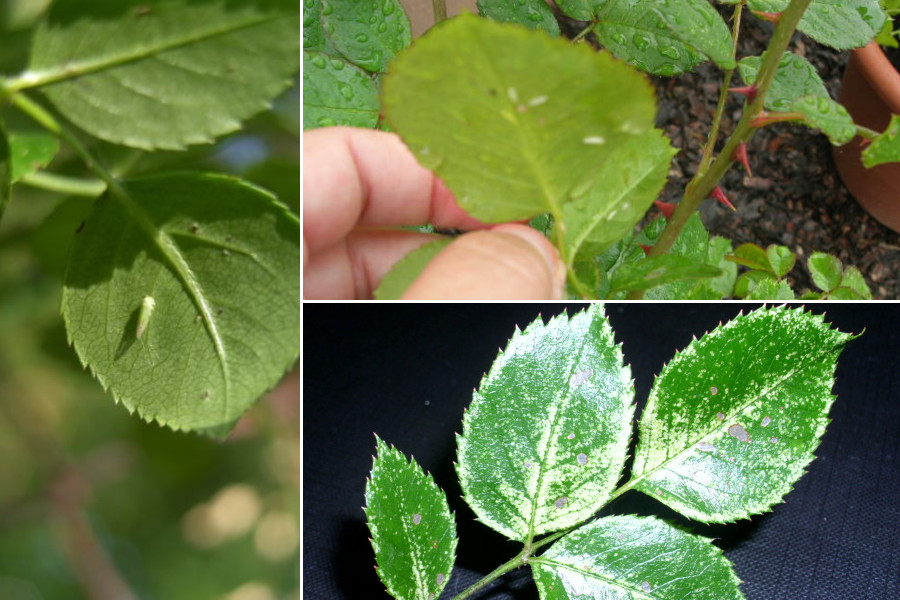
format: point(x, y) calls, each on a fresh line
point(508, 262)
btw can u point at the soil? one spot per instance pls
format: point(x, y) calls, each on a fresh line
point(794, 196)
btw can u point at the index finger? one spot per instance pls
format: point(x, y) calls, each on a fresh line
point(359, 177)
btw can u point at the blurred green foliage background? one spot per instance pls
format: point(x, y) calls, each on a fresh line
point(95, 503)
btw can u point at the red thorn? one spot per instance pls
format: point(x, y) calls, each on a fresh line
point(719, 195)
point(863, 143)
point(772, 17)
point(748, 90)
point(646, 249)
point(667, 208)
point(740, 155)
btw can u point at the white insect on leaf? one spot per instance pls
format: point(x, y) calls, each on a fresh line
point(147, 306)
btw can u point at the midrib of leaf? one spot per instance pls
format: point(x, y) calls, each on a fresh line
point(528, 146)
point(183, 272)
point(29, 79)
point(550, 438)
point(722, 427)
point(419, 567)
point(600, 215)
point(611, 582)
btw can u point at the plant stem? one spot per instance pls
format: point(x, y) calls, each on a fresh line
point(703, 183)
point(583, 33)
point(65, 185)
point(515, 562)
point(439, 7)
point(723, 94)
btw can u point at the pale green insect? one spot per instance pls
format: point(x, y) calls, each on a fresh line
point(147, 306)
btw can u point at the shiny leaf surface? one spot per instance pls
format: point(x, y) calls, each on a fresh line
point(630, 557)
point(734, 418)
point(534, 14)
point(368, 33)
point(840, 24)
point(795, 78)
point(413, 531)
point(336, 92)
point(545, 438)
point(885, 148)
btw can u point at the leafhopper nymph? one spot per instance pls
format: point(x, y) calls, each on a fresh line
point(147, 306)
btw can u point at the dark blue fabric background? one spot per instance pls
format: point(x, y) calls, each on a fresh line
point(407, 371)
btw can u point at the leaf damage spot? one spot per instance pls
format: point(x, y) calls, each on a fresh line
point(513, 94)
point(738, 431)
point(580, 377)
point(571, 436)
point(561, 502)
point(713, 390)
point(765, 422)
point(537, 100)
point(417, 518)
point(527, 465)
point(774, 440)
point(593, 140)
point(705, 447)
point(440, 578)
point(582, 459)
point(646, 587)
point(720, 416)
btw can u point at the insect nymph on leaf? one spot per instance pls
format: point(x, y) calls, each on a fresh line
point(147, 306)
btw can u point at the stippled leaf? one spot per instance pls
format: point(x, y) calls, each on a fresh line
point(152, 74)
point(854, 280)
point(407, 269)
point(771, 289)
point(840, 24)
point(368, 33)
point(826, 270)
point(535, 14)
point(659, 270)
point(545, 437)
point(508, 116)
point(734, 418)
point(885, 148)
point(336, 92)
point(219, 258)
point(624, 557)
point(413, 531)
point(665, 37)
point(781, 259)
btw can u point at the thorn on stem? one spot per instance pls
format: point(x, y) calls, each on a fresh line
point(740, 155)
point(747, 90)
point(646, 249)
point(666, 208)
point(720, 196)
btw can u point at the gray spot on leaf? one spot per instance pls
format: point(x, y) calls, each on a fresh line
point(561, 502)
point(527, 465)
point(571, 436)
point(738, 431)
point(774, 440)
point(580, 377)
point(582, 459)
point(765, 422)
point(440, 578)
point(646, 587)
point(713, 390)
point(417, 518)
point(706, 447)
point(720, 416)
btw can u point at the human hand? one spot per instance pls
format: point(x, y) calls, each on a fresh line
point(359, 185)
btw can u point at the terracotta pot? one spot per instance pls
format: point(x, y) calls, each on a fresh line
point(871, 92)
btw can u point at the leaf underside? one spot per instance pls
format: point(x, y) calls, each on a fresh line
point(545, 438)
point(628, 557)
point(220, 259)
point(413, 531)
point(154, 74)
point(407, 269)
point(734, 418)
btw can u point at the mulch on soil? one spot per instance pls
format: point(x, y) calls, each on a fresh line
point(795, 197)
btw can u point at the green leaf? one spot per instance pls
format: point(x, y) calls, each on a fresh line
point(828, 116)
point(53, 238)
point(841, 24)
point(407, 269)
point(545, 437)
point(854, 280)
point(641, 37)
point(368, 33)
point(748, 281)
point(795, 78)
point(844, 293)
point(734, 418)
point(826, 270)
point(665, 37)
point(753, 257)
point(164, 74)
point(660, 270)
point(6, 169)
point(534, 14)
point(625, 186)
point(336, 92)
point(413, 532)
point(885, 148)
point(781, 259)
point(634, 557)
point(30, 152)
point(770, 289)
point(314, 38)
point(508, 117)
point(580, 10)
point(220, 258)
